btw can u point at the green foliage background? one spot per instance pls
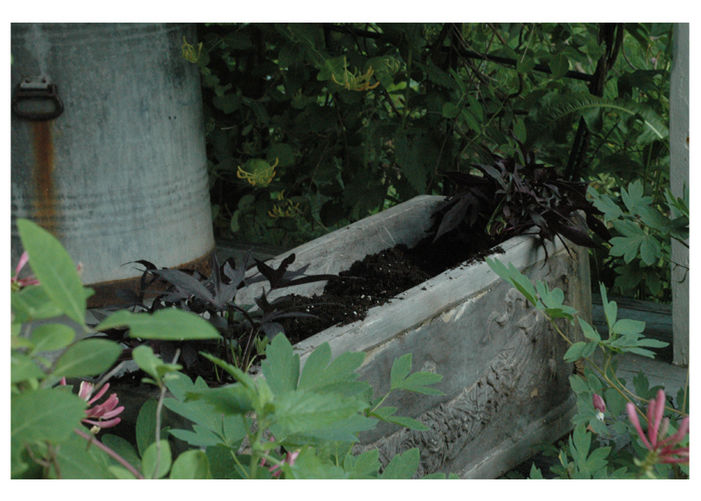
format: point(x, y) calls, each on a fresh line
point(360, 116)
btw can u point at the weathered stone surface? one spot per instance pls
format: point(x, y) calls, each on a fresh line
point(505, 383)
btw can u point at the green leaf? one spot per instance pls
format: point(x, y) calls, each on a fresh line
point(145, 427)
point(339, 376)
point(32, 303)
point(450, 110)
point(535, 473)
point(400, 370)
point(88, 357)
point(281, 365)
point(54, 269)
point(650, 250)
point(157, 460)
point(520, 130)
point(191, 464)
point(151, 364)
point(23, 368)
point(589, 331)
point(610, 307)
point(168, 325)
point(402, 466)
point(515, 278)
point(122, 447)
point(627, 326)
point(302, 412)
point(559, 66)
point(418, 382)
point(475, 108)
point(231, 400)
point(50, 337)
point(605, 204)
point(525, 65)
point(77, 460)
point(365, 465)
point(471, 121)
point(35, 417)
point(575, 352)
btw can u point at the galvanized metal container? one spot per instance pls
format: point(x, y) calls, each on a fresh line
point(108, 149)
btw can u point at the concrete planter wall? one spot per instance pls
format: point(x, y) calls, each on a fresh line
point(505, 383)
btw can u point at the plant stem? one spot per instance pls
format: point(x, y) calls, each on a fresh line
point(110, 452)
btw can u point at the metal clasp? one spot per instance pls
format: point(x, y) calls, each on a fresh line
point(37, 99)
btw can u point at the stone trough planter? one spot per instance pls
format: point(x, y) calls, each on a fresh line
point(505, 382)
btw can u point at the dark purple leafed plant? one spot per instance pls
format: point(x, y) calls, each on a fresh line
point(507, 198)
point(214, 298)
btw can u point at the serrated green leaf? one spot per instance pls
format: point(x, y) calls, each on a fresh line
point(650, 250)
point(400, 370)
point(303, 412)
point(402, 466)
point(230, 400)
point(407, 422)
point(365, 465)
point(156, 460)
point(339, 376)
point(87, 358)
point(167, 325)
point(281, 365)
point(418, 382)
point(535, 473)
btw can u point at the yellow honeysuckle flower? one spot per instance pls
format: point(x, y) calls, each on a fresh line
point(286, 209)
point(257, 172)
point(354, 81)
point(189, 52)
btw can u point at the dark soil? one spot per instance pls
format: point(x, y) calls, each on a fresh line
point(373, 281)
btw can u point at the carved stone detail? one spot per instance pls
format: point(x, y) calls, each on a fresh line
point(531, 356)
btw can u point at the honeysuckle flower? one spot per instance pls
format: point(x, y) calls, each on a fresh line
point(102, 415)
point(600, 406)
point(18, 283)
point(290, 458)
point(355, 81)
point(662, 450)
point(257, 172)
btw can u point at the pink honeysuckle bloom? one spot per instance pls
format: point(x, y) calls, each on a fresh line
point(663, 450)
point(290, 458)
point(600, 406)
point(22, 282)
point(102, 415)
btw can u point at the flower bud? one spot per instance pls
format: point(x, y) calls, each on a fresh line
point(599, 405)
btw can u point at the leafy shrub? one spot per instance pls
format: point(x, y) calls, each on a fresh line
point(358, 116)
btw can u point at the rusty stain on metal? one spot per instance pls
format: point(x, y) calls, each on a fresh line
point(45, 206)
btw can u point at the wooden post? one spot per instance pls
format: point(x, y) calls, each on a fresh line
point(679, 179)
